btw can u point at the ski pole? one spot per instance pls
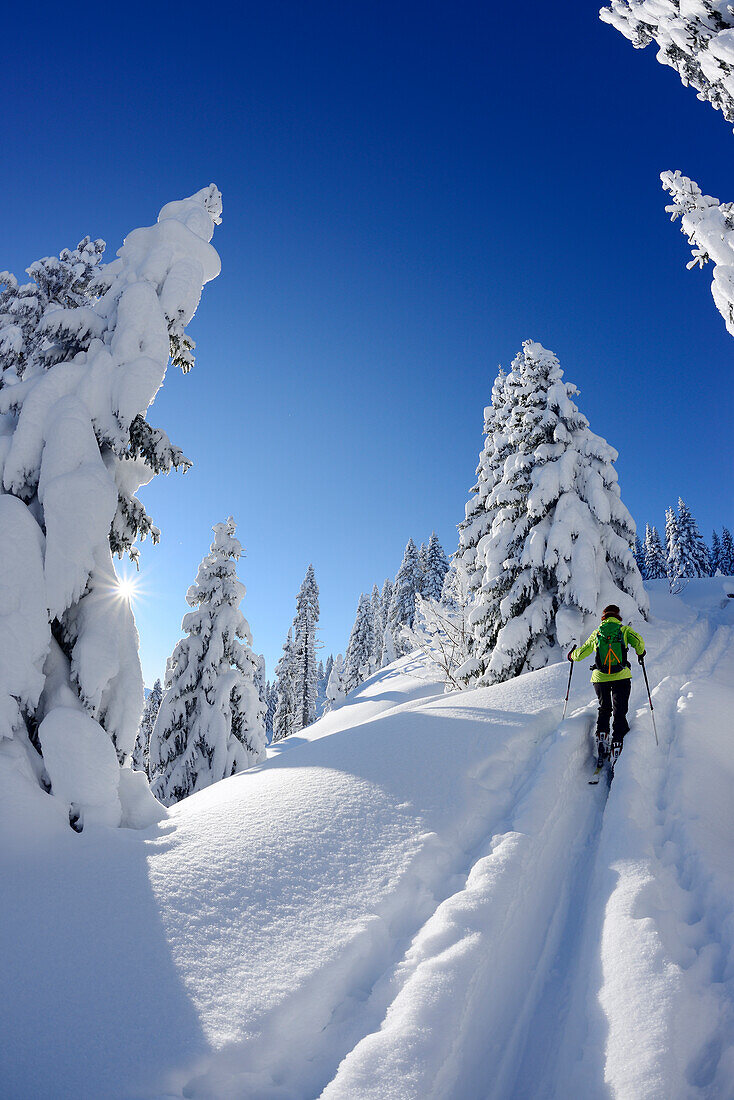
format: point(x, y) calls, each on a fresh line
point(568, 691)
point(641, 659)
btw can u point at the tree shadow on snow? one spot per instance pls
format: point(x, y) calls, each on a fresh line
point(93, 1005)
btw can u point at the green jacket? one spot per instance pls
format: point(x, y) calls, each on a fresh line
point(631, 638)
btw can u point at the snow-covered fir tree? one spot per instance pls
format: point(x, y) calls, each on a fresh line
point(423, 557)
point(270, 710)
point(52, 318)
point(378, 624)
point(335, 688)
point(140, 758)
point(450, 593)
point(726, 555)
point(387, 647)
point(656, 562)
point(284, 718)
point(559, 547)
point(709, 227)
point(261, 682)
point(672, 551)
point(321, 681)
point(640, 557)
point(81, 364)
point(693, 556)
point(714, 554)
point(407, 586)
point(211, 722)
point(386, 599)
point(481, 507)
point(360, 661)
point(693, 37)
point(305, 667)
point(435, 569)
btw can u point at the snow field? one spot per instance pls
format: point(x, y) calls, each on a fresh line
point(418, 896)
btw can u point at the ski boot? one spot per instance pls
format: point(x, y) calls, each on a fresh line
point(602, 755)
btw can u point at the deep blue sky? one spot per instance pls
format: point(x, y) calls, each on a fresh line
point(410, 191)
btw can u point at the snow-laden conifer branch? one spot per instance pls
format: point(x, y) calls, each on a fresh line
point(709, 226)
point(694, 37)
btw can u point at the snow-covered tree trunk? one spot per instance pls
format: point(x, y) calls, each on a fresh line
point(559, 546)
point(78, 376)
point(211, 722)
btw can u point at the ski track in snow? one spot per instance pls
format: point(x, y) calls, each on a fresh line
point(541, 939)
point(516, 1054)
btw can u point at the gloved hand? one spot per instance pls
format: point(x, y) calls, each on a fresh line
point(569, 655)
point(641, 656)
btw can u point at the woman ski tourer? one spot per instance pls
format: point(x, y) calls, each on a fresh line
point(611, 676)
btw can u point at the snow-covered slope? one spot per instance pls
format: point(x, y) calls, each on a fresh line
point(420, 896)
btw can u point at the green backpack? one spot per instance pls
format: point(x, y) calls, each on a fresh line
point(611, 651)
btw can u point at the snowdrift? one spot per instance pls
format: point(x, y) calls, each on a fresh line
point(420, 896)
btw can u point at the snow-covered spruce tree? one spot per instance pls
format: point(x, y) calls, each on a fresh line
point(80, 368)
point(726, 557)
point(211, 722)
point(714, 554)
point(656, 563)
point(692, 550)
point(140, 757)
point(450, 593)
point(694, 37)
point(378, 624)
point(672, 552)
point(481, 507)
point(387, 646)
point(709, 226)
point(407, 586)
point(284, 717)
point(335, 689)
point(360, 660)
point(435, 570)
point(640, 557)
point(304, 652)
point(423, 558)
point(559, 548)
point(270, 710)
point(50, 319)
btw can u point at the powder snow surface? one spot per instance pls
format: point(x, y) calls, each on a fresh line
point(418, 897)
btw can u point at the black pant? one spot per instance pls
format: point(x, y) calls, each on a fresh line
point(614, 697)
